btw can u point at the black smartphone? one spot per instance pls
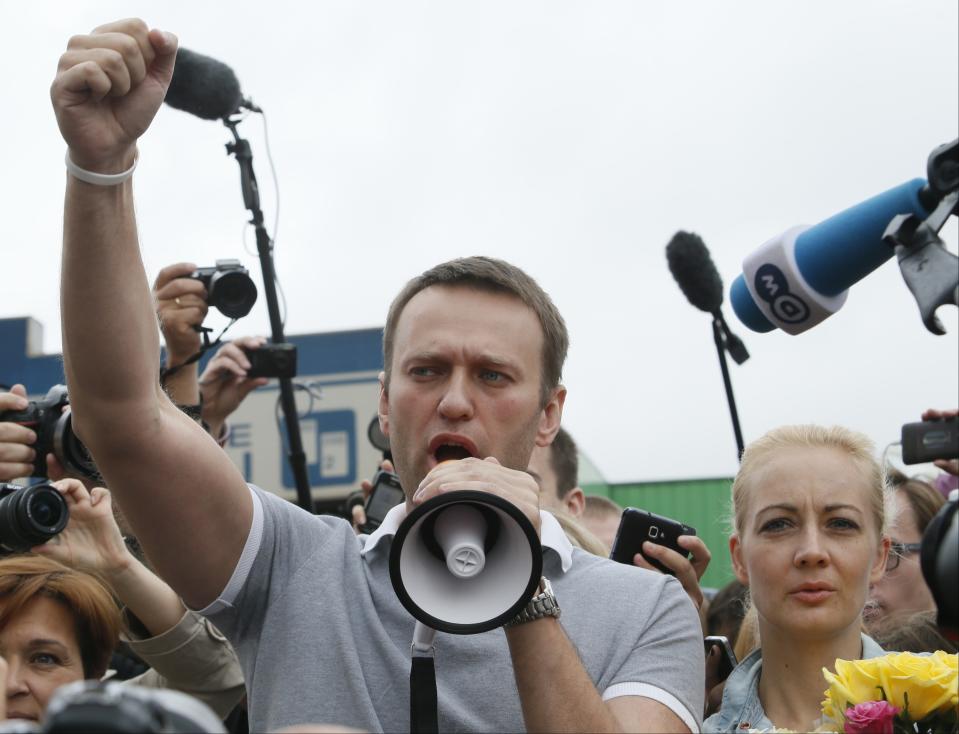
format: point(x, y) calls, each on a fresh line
point(638, 526)
point(387, 494)
point(727, 658)
point(930, 440)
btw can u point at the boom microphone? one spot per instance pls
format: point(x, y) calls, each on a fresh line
point(800, 278)
point(205, 87)
point(693, 269)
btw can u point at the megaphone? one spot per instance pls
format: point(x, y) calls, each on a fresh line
point(465, 562)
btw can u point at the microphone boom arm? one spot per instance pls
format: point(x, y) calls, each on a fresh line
point(240, 149)
point(931, 272)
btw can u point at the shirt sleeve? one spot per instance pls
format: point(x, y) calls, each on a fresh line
point(667, 662)
point(195, 658)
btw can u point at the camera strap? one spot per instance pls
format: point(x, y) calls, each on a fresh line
point(423, 703)
point(204, 332)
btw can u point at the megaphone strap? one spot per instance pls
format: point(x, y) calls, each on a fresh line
point(423, 706)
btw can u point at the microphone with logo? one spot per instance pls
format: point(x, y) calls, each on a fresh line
point(800, 278)
point(694, 271)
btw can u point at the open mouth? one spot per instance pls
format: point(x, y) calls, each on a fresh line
point(451, 452)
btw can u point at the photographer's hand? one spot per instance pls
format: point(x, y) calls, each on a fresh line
point(181, 306)
point(224, 384)
point(688, 572)
point(92, 542)
point(16, 454)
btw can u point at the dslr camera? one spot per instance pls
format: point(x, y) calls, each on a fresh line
point(30, 516)
point(229, 288)
point(55, 435)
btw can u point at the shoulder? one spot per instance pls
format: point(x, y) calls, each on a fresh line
point(741, 702)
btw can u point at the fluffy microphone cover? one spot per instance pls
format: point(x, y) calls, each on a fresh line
point(693, 269)
point(203, 86)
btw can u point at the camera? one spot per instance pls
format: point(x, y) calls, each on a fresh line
point(55, 435)
point(272, 360)
point(930, 440)
point(229, 288)
point(939, 560)
point(87, 706)
point(30, 516)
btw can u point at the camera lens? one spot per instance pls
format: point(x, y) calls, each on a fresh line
point(45, 510)
point(30, 516)
point(233, 293)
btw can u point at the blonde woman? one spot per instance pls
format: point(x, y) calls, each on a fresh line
point(809, 538)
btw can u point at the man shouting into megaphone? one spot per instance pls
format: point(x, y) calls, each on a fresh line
point(473, 354)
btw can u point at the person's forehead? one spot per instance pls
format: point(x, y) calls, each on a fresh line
point(484, 320)
point(805, 476)
point(41, 617)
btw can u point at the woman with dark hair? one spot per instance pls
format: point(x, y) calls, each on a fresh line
point(902, 590)
point(57, 625)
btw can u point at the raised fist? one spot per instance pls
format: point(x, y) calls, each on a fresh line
point(108, 88)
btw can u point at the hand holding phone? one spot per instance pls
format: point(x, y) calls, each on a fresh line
point(638, 526)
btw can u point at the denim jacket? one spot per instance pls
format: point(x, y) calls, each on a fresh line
point(741, 708)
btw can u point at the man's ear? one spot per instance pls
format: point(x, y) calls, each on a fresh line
point(878, 569)
point(383, 406)
point(736, 554)
point(551, 416)
point(575, 502)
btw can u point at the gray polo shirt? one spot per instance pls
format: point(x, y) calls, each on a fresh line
point(322, 637)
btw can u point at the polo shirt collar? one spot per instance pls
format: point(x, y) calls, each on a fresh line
point(551, 534)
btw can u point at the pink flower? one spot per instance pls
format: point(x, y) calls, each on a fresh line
point(871, 717)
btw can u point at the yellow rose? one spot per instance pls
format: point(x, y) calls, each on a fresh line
point(929, 681)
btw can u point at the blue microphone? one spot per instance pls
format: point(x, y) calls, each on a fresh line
point(800, 278)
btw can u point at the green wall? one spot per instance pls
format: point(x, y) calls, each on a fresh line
point(702, 503)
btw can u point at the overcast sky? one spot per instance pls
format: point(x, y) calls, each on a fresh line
point(572, 139)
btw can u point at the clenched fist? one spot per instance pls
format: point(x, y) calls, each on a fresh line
point(108, 88)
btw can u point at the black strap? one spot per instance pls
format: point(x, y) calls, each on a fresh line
point(423, 716)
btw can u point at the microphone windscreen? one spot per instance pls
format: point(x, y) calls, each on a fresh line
point(203, 86)
point(693, 269)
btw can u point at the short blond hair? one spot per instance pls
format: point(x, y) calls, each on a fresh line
point(857, 447)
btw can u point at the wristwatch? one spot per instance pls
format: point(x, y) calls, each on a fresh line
point(542, 605)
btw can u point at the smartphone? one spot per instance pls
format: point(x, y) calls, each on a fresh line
point(387, 494)
point(930, 440)
point(727, 658)
point(638, 526)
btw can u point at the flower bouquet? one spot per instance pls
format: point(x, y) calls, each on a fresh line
point(893, 694)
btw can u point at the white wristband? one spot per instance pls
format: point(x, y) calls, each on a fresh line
point(100, 179)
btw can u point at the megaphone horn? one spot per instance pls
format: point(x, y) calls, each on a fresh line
point(465, 562)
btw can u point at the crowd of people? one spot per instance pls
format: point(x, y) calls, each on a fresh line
point(177, 574)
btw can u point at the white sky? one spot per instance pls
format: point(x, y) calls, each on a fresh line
point(570, 138)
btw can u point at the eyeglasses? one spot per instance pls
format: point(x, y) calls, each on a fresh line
point(897, 551)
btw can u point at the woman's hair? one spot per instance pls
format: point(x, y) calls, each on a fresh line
point(857, 447)
point(922, 497)
point(911, 633)
point(96, 616)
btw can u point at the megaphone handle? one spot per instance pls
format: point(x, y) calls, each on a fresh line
point(424, 718)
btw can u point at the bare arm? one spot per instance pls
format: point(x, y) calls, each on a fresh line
point(557, 693)
point(167, 474)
